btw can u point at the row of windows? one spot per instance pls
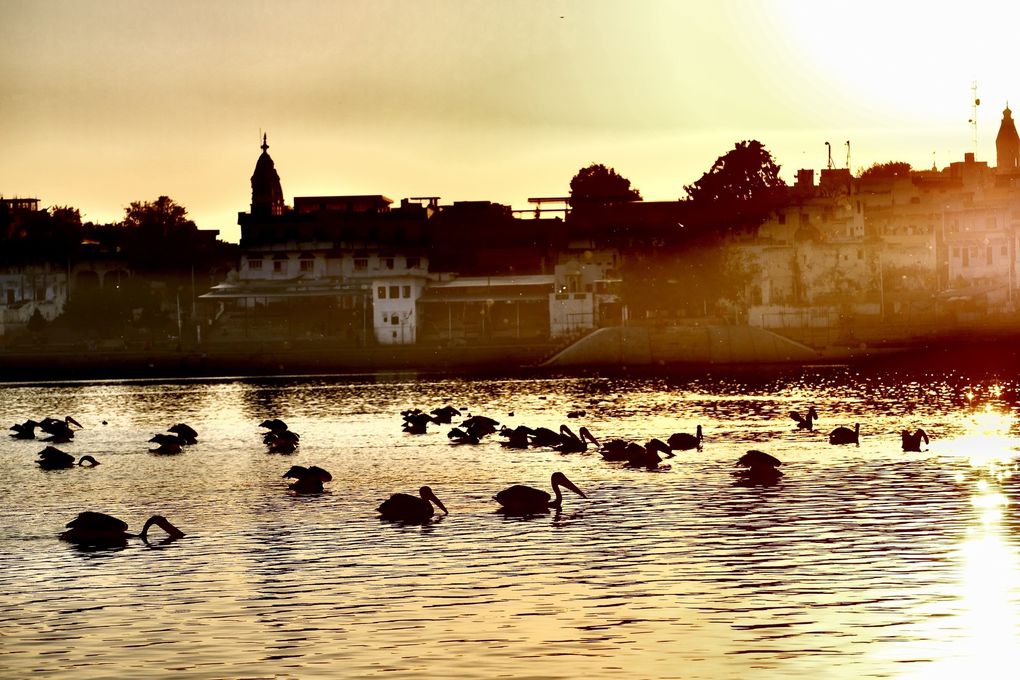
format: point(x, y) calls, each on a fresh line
point(394, 292)
point(360, 264)
point(393, 319)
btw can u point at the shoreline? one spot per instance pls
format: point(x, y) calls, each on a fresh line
point(998, 353)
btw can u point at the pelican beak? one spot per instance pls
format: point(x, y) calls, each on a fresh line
point(570, 485)
point(74, 422)
point(439, 504)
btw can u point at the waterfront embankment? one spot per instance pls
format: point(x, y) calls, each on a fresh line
point(672, 349)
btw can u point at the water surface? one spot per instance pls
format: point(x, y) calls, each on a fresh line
point(863, 562)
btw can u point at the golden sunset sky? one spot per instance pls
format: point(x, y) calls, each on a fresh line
point(108, 102)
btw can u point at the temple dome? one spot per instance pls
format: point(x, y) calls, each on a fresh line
point(266, 192)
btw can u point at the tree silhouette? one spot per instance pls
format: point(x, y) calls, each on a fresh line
point(746, 173)
point(888, 169)
point(162, 216)
point(599, 185)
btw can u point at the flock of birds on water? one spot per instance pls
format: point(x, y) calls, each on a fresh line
point(755, 468)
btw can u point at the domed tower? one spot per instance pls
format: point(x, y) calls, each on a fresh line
point(1007, 144)
point(266, 192)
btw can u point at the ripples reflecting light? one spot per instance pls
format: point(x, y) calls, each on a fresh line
point(862, 561)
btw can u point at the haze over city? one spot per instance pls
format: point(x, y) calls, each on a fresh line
point(110, 102)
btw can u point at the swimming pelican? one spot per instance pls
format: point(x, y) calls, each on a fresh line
point(572, 443)
point(681, 441)
point(543, 436)
point(616, 449)
point(408, 508)
point(276, 425)
point(912, 442)
point(647, 456)
point(97, 528)
point(416, 421)
point(844, 435)
point(309, 479)
point(25, 430)
point(517, 438)
point(805, 422)
point(459, 436)
point(185, 432)
point(59, 429)
point(52, 458)
point(759, 469)
point(520, 499)
point(444, 415)
point(480, 426)
point(169, 444)
point(278, 444)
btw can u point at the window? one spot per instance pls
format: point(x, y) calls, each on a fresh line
point(306, 265)
point(394, 292)
point(277, 266)
point(413, 262)
point(385, 317)
point(382, 293)
point(360, 264)
point(406, 291)
point(395, 319)
point(387, 263)
point(255, 264)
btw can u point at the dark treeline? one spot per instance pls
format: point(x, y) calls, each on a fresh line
point(131, 279)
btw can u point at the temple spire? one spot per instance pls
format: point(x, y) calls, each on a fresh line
point(1007, 144)
point(266, 192)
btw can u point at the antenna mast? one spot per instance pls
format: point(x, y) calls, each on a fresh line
point(848, 154)
point(828, 148)
point(975, 102)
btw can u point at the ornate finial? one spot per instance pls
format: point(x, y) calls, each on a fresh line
point(264, 145)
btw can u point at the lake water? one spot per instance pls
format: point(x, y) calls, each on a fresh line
point(863, 562)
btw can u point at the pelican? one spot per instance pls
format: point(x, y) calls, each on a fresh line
point(279, 444)
point(309, 479)
point(543, 436)
point(25, 430)
point(59, 429)
point(169, 444)
point(805, 422)
point(517, 438)
point(416, 421)
point(912, 442)
point(480, 426)
point(572, 443)
point(844, 435)
point(408, 508)
point(520, 499)
point(759, 468)
point(616, 449)
point(96, 528)
point(681, 441)
point(444, 415)
point(647, 456)
point(185, 432)
point(52, 458)
point(276, 425)
point(459, 436)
